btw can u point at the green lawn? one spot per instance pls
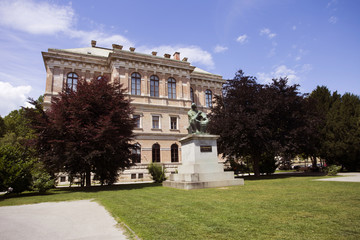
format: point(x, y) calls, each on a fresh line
point(278, 207)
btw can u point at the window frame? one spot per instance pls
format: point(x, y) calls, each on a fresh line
point(152, 121)
point(156, 153)
point(192, 95)
point(154, 86)
point(171, 88)
point(138, 122)
point(74, 78)
point(136, 84)
point(176, 122)
point(174, 153)
point(208, 98)
point(136, 150)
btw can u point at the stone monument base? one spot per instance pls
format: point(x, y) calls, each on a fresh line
point(200, 167)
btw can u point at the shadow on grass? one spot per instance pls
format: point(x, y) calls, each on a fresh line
point(117, 187)
point(283, 175)
point(93, 189)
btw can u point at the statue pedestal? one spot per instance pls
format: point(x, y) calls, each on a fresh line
point(200, 167)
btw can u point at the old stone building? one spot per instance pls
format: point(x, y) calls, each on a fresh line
point(162, 89)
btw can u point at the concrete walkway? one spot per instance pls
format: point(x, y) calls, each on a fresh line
point(345, 177)
point(61, 220)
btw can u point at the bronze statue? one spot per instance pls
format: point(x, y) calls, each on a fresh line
point(198, 120)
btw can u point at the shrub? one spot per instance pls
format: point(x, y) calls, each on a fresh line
point(238, 166)
point(267, 164)
point(157, 172)
point(41, 180)
point(332, 170)
point(15, 169)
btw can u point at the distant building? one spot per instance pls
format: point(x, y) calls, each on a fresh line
point(162, 89)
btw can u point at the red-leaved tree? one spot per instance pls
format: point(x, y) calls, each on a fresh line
point(86, 131)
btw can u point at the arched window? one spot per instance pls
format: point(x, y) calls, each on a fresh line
point(208, 98)
point(71, 81)
point(136, 153)
point(135, 84)
point(174, 153)
point(192, 95)
point(156, 152)
point(154, 86)
point(172, 88)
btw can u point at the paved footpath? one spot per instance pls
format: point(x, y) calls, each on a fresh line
point(60, 220)
point(345, 177)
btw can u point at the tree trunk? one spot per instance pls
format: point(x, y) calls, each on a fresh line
point(88, 178)
point(256, 166)
point(82, 179)
point(314, 162)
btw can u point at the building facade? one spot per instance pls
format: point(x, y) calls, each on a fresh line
point(162, 89)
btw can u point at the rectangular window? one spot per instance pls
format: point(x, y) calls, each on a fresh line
point(172, 88)
point(62, 179)
point(133, 176)
point(173, 123)
point(155, 122)
point(154, 87)
point(141, 175)
point(137, 120)
point(135, 87)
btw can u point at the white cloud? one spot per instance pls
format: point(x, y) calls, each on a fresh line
point(301, 52)
point(306, 68)
point(272, 52)
point(48, 19)
point(242, 39)
point(36, 17)
point(219, 49)
point(12, 97)
point(333, 20)
point(271, 35)
point(267, 32)
point(294, 27)
point(331, 3)
point(194, 53)
point(103, 39)
point(279, 71)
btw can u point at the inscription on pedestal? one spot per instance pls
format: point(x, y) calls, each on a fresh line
point(205, 149)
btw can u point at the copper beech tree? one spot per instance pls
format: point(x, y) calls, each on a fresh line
point(260, 121)
point(85, 131)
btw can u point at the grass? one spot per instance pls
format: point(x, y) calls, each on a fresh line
point(276, 207)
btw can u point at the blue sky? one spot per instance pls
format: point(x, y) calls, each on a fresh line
point(311, 42)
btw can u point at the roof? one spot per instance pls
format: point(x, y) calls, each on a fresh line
point(199, 70)
point(102, 52)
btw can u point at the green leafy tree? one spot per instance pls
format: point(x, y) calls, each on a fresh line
point(339, 135)
point(342, 134)
point(20, 169)
point(15, 169)
point(86, 131)
point(41, 180)
point(2, 127)
point(320, 101)
point(16, 128)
